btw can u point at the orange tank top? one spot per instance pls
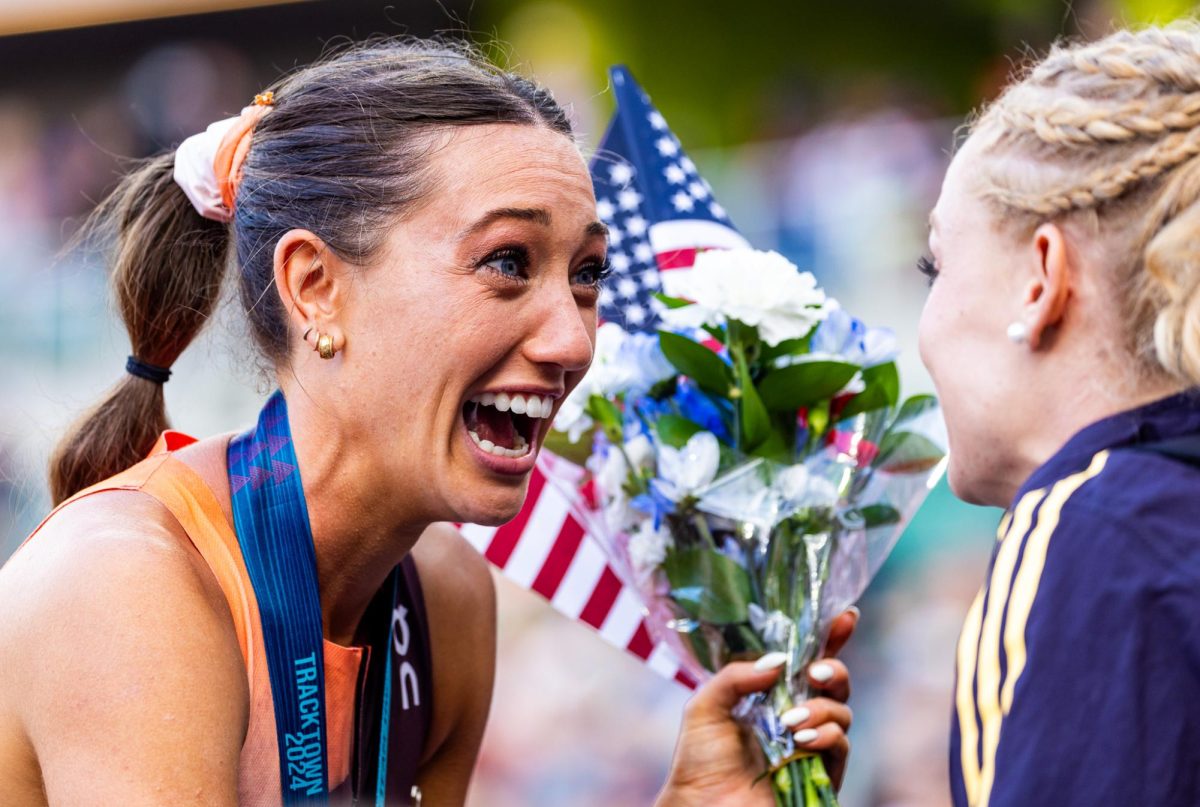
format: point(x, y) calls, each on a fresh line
point(186, 496)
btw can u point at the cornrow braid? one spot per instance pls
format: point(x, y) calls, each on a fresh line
point(1106, 183)
point(1072, 122)
point(1113, 128)
point(1165, 56)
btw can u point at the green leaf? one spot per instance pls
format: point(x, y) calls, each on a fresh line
point(804, 384)
point(879, 515)
point(709, 586)
point(913, 408)
point(776, 447)
point(788, 347)
point(676, 430)
point(904, 452)
point(882, 392)
point(672, 302)
point(697, 363)
point(715, 333)
point(606, 413)
point(755, 422)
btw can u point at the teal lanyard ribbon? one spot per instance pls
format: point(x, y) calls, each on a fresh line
point(271, 519)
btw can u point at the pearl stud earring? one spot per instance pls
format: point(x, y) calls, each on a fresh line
point(1018, 333)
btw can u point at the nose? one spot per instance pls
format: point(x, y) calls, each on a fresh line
point(562, 332)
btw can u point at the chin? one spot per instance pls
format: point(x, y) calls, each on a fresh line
point(495, 506)
point(972, 488)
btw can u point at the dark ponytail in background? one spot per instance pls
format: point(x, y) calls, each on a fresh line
point(343, 153)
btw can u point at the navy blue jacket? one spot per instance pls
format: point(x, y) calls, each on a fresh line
point(1079, 663)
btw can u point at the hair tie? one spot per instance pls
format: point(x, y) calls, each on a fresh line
point(151, 372)
point(208, 166)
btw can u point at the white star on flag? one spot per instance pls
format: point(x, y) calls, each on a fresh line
point(637, 226)
point(629, 199)
point(688, 165)
point(605, 210)
point(626, 287)
point(657, 120)
point(621, 174)
point(642, 253)
point(675, 175)
point(619, 261)
point(697, 190)
point(682, 201)
point(667, 146)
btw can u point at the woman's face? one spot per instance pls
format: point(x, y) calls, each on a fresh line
point(476, 321)
point(977, 294)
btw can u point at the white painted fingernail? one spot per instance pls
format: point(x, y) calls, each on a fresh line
point(794, 717)
point(770, 661)
point(805, 736)
point(820, 671)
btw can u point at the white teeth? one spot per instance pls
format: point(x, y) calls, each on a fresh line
point(533, 406)
point(520, 450)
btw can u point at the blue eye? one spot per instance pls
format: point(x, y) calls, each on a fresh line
point(510, 262)
point(593, 274)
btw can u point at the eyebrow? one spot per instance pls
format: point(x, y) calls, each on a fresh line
point(534, 214)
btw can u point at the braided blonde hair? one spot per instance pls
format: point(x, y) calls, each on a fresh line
point(1111, 130)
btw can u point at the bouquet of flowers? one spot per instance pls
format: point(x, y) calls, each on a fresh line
point(753, 466)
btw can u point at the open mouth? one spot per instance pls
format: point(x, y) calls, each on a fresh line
point(506, 425)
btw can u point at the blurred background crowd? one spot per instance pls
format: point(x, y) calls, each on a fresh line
point(824, 128)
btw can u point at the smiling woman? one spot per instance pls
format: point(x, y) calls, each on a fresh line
point(418, 252)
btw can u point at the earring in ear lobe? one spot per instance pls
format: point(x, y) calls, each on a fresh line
point(1018, 333)
point(325, 346)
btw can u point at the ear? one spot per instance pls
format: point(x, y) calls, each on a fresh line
point(1047, 292)
point(313, 283)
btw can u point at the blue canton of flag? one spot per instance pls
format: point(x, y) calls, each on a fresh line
point(658, 209)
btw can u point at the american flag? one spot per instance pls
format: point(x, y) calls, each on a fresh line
point(659, 211)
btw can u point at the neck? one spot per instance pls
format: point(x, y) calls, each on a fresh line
point(1080, 402)
point(360, 527)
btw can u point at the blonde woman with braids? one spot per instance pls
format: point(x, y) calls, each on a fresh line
point(251, 619)
point(1062, 332)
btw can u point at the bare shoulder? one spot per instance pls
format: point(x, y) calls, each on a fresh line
point(112, 625)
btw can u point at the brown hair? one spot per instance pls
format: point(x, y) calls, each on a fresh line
point(1111, 130)
point(342, 153)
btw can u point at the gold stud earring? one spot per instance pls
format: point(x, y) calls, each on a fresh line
point(325, 346)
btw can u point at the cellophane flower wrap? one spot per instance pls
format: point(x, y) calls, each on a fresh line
point(753, 466)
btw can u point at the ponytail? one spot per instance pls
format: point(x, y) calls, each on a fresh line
point(167, 268)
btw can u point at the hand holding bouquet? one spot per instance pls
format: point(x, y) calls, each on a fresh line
point(753, 466)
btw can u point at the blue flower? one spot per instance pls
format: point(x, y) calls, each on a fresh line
point(847, 337)
point(655, 504)
point(702, 410)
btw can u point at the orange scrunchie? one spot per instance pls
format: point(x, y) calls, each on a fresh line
point(231, 153)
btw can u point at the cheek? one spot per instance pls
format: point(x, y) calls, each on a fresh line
point(929, 338)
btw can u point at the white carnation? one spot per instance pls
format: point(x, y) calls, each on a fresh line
point(761, 289)
point(648, 548)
